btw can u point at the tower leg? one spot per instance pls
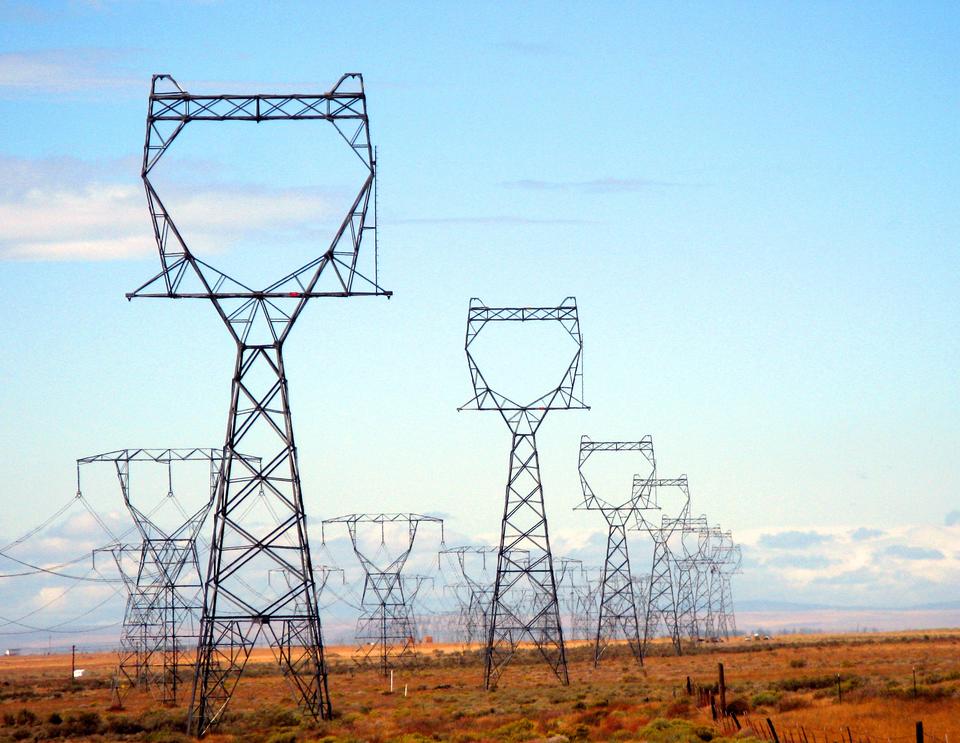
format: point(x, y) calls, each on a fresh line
point(618, 605)
point(661, 603)
point(524, 602)
point(235, 614)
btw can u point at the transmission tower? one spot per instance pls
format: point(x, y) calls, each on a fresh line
point(385, 629)
point(524, 525)
point(618, 605)
point(162, 573)
point(729, 565)
point(692, 559)
point(245, 547)
point(475, 593)
point(661, 603)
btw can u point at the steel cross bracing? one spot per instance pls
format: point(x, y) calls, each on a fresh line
point(385, 629)
point(574, 592)
point(259, 319)
point(709, 600)
point(617, 617)
point(661, 603)
point(691, 560)
point(475, 593)
point(162, 576)
point(728, 567)
point(142, 633)
point(524, 604)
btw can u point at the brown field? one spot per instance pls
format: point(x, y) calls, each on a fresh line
point(791, 680)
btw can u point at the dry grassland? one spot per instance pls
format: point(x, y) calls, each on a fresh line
point(792, 681)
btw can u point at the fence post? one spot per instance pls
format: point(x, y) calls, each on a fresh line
point(689, 687)
point(773, 731)
point(839, 690)
point(723, 690)
point(713, 706)
point(919, 731)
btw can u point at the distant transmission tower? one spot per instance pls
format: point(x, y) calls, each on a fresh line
point(162, 574)
point(246, 546)
point(524, 604)
point(692, 561)
point(618, 604)
point(475, 593)
point(386, 628)
point(661, 603)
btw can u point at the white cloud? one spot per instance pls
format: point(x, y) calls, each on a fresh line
point(65, 72)
point(66, 209)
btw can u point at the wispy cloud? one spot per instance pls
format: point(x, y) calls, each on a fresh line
point(793, 539)
point(909, 552)
point(66, 209)
point(607, 185)
point(67, 72)
point(864, 533)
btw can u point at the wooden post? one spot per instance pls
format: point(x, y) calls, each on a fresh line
point(689, 687)
point(773, 731)
point(723, 690)
point(920, 731)
point(713, 706)
point(839, 690)
point(73, 662)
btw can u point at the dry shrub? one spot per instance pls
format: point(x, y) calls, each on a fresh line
point(738, 706)
point(792, 701)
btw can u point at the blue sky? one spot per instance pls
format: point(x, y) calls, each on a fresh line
point(755, 205)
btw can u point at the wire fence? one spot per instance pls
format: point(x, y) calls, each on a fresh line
point(795, 732)
point(764, 728)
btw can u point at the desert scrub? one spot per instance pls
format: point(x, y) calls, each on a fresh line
point(767, 698)
point(516, 731)
point(792, 701)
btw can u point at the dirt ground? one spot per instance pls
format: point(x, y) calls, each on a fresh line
point(812, 688)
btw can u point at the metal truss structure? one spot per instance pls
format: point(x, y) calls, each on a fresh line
point(386, 628)
point(617, 617)
point(473, 590)
point(161, 575)
point(246, 546)
point(661, 603)
point(524, 603)
point(693, 558)
point(728, 563)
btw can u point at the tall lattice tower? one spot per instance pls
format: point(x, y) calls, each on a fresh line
point(240, 607)
point(524, 604)
point(618, 603)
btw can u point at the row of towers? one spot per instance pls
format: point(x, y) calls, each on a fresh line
point(259, 521)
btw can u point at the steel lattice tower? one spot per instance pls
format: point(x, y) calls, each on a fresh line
point(692, 564)
point(475, 607)
point(524, 601)
point(259, 321)
point(618, 604)
point(162, 575)
point(385, 629)
point(661, 603)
